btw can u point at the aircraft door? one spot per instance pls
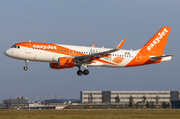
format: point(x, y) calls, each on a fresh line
point(138, 57)
point(28, 48)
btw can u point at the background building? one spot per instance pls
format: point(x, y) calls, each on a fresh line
point(19, 101)
point(138, 96)
point(91, 96)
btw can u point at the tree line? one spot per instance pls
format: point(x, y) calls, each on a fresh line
point(148, 105)
point(131, 101)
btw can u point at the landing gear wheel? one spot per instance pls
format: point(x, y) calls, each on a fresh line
point(79, 72)
point(85, 72)
point(25, 68)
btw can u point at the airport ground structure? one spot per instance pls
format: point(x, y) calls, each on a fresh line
point(103, 100)
point(20, 101)
point(158, 97)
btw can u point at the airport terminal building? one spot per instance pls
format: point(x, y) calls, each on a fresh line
point(138, 96)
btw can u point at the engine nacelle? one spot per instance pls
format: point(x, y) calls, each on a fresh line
point(63, 63)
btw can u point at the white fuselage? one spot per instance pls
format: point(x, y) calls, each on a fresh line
point(32, 54)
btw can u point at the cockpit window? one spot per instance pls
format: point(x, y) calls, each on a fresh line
point(15, 46)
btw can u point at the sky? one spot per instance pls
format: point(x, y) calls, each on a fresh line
point(86, 22)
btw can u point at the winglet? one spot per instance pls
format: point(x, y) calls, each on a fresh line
point(121, 44)
point(94, 45)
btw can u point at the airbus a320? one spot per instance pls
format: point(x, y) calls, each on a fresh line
point(68, 56)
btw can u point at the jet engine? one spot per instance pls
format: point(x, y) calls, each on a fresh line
point(63, 63)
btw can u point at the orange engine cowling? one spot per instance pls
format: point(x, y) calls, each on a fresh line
point(63, 63)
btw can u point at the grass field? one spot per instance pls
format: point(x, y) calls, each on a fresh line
point(89, 114)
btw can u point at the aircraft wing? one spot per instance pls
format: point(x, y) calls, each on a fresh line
point(89, 58)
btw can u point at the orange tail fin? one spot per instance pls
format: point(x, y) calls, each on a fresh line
point(157, 43)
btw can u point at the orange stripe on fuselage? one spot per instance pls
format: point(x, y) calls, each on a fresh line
point(103, 61)
point(51, 48)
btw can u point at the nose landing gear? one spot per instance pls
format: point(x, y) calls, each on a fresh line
point(26, 68)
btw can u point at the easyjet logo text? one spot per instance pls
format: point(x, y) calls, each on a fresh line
point(45, 46)
point(157, 40)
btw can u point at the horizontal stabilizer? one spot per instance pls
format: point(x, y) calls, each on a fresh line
point(155, 58)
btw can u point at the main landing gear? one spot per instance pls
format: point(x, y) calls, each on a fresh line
point(26, 68)
point(80, 72)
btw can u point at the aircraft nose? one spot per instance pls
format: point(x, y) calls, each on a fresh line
point(7, 52)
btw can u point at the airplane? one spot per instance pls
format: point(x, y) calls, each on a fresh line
point(68, 56)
